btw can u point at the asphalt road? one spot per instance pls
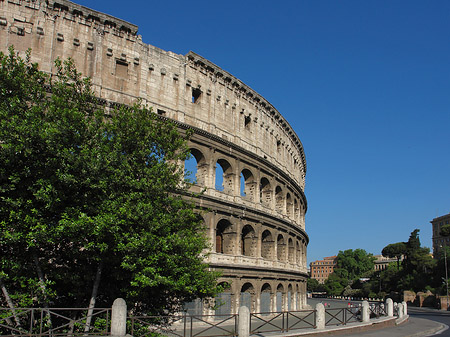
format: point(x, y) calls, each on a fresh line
point(434, 315)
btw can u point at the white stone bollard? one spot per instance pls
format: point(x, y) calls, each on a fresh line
point(320, 316)
point(405, 308)
point(390, 307)
point(244, 322)
point(365, 311)
point(119, 318)
point(400, 310)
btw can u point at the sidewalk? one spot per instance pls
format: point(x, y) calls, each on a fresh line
point(412, 327)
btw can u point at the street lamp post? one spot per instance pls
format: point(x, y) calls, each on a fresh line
point(446, 272)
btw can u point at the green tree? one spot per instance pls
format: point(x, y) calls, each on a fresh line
point(334, 285)
point(91, 204)
point(395, 250)
point(314, 285)
point(418, 264)
point(352, 264)
point(445, 230)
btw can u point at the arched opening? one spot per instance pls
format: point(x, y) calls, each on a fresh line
point(224, 176)
point(248, 241)
point(265, 192)
point(281, 248)
point(248, 296)
point(267, 245)
point(291, 251)
point(224, 237)
point(223, 301)
point(296, 210)
point(280, 297)
point(289, 205)
point(195, 168)
point(303, 253)
point(279, 200)
point(298, 253)
point(266, 302)
point(248, 185)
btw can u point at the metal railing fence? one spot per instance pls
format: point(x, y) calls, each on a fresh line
point(282, 321)
point(342, 316)
point(41, 322)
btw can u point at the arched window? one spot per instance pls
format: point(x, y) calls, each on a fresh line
point(248, 185)
point(289, 205)
point(248, 241)
point(266, 298)
point(281, 248)
point(279, 199)
point(248, 296)
point(280, 297)
point(224, 237)
point(267, 245)
point(223, 301)
point(195, 168)
point(265, 192)
point(224, 176)
point(291, 251)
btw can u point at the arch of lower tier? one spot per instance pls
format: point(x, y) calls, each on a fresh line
point(260, 296)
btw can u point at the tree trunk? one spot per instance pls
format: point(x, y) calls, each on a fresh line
point(9, 301)
point(42, 286)
point(93, 297)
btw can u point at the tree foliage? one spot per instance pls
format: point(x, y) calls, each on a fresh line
point(352, 264)
point(89, 194)
point(395, 250)
point(445, 230)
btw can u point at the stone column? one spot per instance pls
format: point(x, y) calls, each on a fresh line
point(244, 322)
point(320, 316)
point(365, 311)
point(273, 301)
point(389, 307)
point(257, 301)
point(119, 318)
point(259, 240)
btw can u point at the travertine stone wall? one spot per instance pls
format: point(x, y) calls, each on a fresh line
point(258, 239)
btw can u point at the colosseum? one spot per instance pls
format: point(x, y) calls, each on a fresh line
point(249, 160)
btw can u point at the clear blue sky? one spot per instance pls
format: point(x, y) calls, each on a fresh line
point(365, 84)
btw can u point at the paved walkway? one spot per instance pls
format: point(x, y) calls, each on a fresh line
point(417, 327)
point(413, 327)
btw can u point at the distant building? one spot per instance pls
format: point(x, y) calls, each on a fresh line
point(439, 240)
point(381, 262)
point(321, 269)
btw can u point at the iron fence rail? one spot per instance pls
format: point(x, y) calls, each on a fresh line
point(40, 322)
point(342, 316)
point(54, 322)
point(282, 322)
point(184, 325)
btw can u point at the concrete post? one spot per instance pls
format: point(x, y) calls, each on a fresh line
point(365, 311)
point(400, 310)
point(244, 322)
point(389, 307)
point(320, 316)
point(405, 308)
point(119, 318)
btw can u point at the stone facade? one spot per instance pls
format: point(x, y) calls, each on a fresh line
point(257, 230)
point(321, 269)
point(438, 240)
